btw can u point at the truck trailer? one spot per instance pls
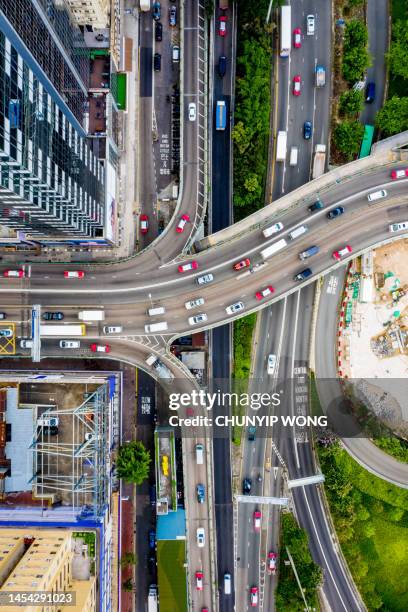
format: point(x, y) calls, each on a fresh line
point(91, 315)
point(319, 160)
point(274, 248)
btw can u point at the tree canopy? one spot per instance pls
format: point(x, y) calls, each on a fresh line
point(133, 462)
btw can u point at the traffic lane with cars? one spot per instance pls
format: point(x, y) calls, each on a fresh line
point(354, 197)
point(271, 325)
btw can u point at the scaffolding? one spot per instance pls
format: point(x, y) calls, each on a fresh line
point(73, 468)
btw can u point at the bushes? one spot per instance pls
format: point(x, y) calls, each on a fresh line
point(288, 596)
point(355, 54)
point(347, 138)
point(371, 519)
point(393, 117)
point(243, 330)
point(351, 103)
point(395, 447)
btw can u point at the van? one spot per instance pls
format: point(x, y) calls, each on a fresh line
point(156, 327)
point(293, 159)
point(376, 195)
point(399, 227)
point(175, 54)
point(313, 250)
point(199, 454)
point(370, 93)
point(227, 584)
point(222, 65)
point(156, 310)
point(302, 229)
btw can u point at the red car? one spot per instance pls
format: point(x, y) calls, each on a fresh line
point(199, 576)
point(271, 562)
point(264, 292)
point(180, 227)
point(297, 85)
point(242, 264)
point(13, 273)
point(144, 224)
point(74, 274)
point(223, 26)
point(253, 594)
point(342, 252)
point(297, 38)
point(401, 173)
point(192, 265)
point(100, 348)
point(257, 520)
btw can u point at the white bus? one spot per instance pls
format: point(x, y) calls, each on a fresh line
point(61, 331)
point(285, 31)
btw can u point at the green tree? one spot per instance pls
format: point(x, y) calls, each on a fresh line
point(368, 530)
point(355, 54)
point(351, 102)
point(128, 558)
point(398, 53)
point(347, 137)
point(241, 137)
point(393, 117)
point(133, 462)
point(352, 3)
point(128, 585)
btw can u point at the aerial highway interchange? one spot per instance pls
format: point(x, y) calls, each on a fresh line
point(155, 277)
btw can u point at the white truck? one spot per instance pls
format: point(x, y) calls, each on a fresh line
point(274, 248)
point(145, 5)
point(281, 146)
point(320, 76)
point(91, 315)
point(319, 160)
point(162, 370)
point(152, 599)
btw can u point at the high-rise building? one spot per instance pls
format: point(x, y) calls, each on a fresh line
point(91, 12)
point(46, 560)
point(51, 183)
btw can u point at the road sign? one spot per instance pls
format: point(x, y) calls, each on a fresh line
point(259, 499)
point(301, 482)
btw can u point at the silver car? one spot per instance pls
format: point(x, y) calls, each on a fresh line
point(203, 280)
point(194, 303)
point(112, 329)
point(200, 318)
point(234, 308)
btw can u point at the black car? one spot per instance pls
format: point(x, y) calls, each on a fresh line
point(246, 486)
point(156, 11)
point(370, 93)
point(158, 31)
point(222, 65)
point(53, 316)
point(152, 539)
point(157, 62)
point(152, 495)
point(318, 205)
point(307, 130)
point(336, 212)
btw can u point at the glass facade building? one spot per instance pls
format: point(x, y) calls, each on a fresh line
point(51, 184)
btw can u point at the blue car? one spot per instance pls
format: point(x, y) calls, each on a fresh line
point(307, 130)
point(200, 493)
point(152, 539)
point(335, 212)
point(156, 11)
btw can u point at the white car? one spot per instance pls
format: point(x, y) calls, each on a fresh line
point(6, 332)
point(194, 303)
point(200, 537)
point(271, 364)
point(192, 113)
point(310, 25)
point(234, 308)
point(69, 344)
point(200, 318)
point(26, 343)
point(112, 329)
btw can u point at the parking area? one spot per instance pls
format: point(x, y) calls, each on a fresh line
point(7, 338)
